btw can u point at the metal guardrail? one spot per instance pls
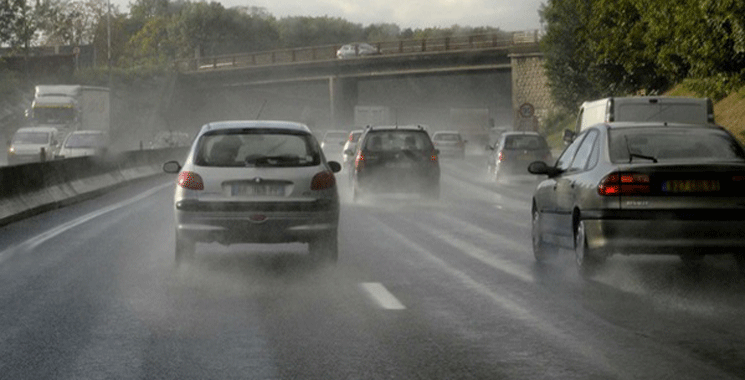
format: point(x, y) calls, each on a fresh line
point(386, 48)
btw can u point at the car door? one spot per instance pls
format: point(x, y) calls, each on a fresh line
point(547, 195)
point(569, 188)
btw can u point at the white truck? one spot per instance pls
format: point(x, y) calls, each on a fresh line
point(64, 108)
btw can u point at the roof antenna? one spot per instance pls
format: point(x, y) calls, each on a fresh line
point(260, 110)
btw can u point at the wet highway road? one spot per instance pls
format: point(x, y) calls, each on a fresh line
point(422, 290)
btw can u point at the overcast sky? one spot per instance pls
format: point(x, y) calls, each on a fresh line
point(508, 15)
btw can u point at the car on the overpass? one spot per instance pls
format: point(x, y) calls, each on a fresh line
point(256, 182)
point(395, 159)
point(356, 50)
point(642, 188)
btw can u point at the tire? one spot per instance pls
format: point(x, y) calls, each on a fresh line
point(325, 248)
point(541, 251)
point(588, 261)
point(185, 249)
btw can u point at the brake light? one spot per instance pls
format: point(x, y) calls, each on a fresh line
point(190, 180)
point(624, 184)
point(323, 180)
point(501, 156)
point(359, 161)
point(433, 156)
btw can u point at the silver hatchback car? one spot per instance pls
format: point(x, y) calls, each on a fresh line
point(256, 182)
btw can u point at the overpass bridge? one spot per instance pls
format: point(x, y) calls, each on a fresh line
point(420, 79)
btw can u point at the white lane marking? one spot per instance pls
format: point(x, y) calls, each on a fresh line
point(382, 296)
point(35, 241)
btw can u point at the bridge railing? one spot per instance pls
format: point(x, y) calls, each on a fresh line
point(328, 52)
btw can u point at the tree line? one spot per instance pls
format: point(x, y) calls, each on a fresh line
point(598, 48)
point(156, 32)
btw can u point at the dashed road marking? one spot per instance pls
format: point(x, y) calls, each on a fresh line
point(382, 296)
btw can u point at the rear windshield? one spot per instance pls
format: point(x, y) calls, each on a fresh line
point(397, 140)
point(700, 144)
point(525, 142)
point(446, 137)
point(689, 113)
point(257, 148)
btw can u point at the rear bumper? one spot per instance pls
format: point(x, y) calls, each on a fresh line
point(704, 232)
point(257, 225)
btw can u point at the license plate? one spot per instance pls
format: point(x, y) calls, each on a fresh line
point(256, 190)
point(691, 186)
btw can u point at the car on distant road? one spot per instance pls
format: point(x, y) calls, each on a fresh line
point(642, 188)
point(84, 143)
point(33, 144)
point(256, 182)
point(395, 159)
point(450, 144)
point(348, 149)
point(333, 143)
point(509, 157)
point(356, 50)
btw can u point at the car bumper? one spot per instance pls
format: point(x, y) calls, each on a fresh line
point(664, 233)
point(232, 223)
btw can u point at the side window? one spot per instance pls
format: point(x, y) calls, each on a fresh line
point(584, 151)
point(595, 155)
point(566, 157)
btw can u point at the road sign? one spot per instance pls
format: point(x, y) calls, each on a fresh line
point(526, 110)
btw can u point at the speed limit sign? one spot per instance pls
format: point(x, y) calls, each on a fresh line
point(526, 110)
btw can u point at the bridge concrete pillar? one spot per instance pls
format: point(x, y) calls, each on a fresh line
point(343, 94)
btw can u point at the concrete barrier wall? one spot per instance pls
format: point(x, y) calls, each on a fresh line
point(33, 188)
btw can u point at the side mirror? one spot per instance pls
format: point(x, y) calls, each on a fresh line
point(172, 167)
point(335, 166)
point(568, 136)
point(541, 168)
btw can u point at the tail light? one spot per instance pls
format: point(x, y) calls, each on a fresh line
point(433, 156)
point(190, 180)
point(624, 184)
point(501, 156)
point(359, 161)
point(323, 180)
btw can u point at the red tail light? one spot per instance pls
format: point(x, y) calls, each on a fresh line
point(624, 184)
point(433, 156)
point(501, 156)
point(322, 181)
point(359, 161)
point(190, 180)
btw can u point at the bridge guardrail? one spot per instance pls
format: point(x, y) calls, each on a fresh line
point(328, 52)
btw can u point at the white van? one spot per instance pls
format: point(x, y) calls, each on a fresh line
point(645, 108)
point(33, 144)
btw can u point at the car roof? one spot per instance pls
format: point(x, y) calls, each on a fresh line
point(88, 132)
point(515, 133)
point(38, 129)
point(637, 124)
point(446, 133)
point(397, 127)
point(254, 124)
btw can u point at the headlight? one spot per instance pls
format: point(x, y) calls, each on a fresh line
point(12, 150)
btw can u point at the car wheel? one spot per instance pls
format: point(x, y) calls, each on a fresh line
point(185, 249)
point(588, 262)
point(541, 250)
point(325, 248)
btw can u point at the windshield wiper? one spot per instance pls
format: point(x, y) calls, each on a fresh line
point(636, 155)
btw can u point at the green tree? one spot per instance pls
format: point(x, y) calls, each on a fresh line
point(311, 31)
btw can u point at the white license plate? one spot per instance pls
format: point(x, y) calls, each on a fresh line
point(257, 190)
